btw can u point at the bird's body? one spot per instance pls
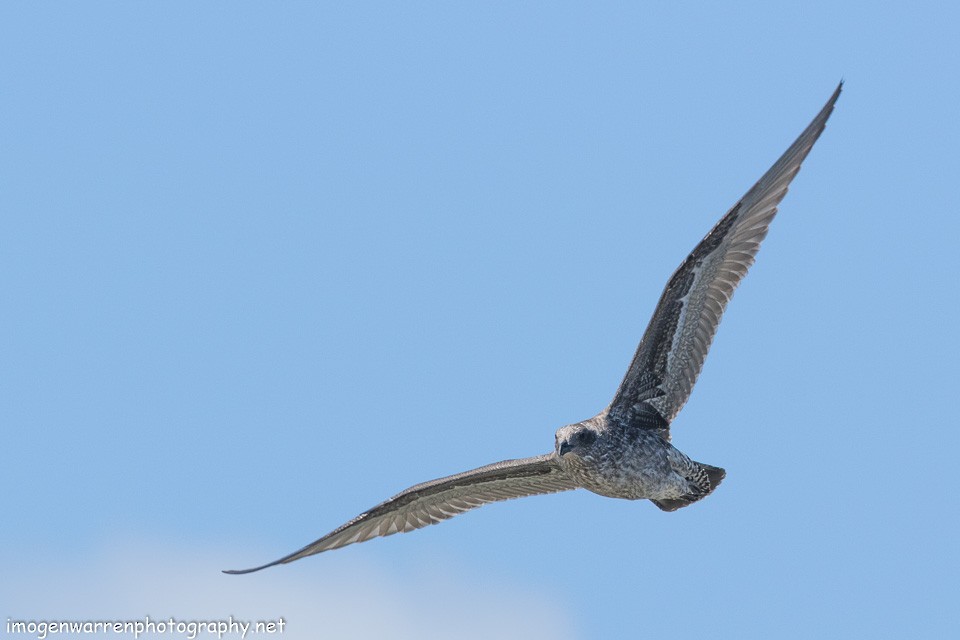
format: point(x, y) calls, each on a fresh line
point(625, 450)
point(618, 460)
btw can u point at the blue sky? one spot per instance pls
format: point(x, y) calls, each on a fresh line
point(265, 265)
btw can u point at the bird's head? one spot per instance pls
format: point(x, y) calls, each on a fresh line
point(577, 439)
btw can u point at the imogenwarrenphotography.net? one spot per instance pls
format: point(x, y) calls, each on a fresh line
point(189, 629)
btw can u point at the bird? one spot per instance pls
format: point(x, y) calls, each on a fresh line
point(625, 451)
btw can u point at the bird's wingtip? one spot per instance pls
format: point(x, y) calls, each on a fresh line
point(240, 572)
point(838, 90)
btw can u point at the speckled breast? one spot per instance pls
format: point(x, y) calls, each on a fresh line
point(626, 463)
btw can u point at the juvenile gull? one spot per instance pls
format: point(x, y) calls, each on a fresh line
point(625, 450)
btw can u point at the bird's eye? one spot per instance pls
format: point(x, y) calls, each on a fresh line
point(587, 437)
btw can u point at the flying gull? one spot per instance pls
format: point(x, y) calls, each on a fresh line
point(625, 450)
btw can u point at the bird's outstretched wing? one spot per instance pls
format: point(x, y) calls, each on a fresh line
point(430, 502)
point(671, 353)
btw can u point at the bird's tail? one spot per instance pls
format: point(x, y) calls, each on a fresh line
point(709, 478)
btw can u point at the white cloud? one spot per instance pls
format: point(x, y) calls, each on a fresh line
point(341, 600)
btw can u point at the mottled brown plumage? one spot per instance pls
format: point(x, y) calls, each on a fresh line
point(625, 450)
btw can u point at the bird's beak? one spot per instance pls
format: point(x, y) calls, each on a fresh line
point(565, 446)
